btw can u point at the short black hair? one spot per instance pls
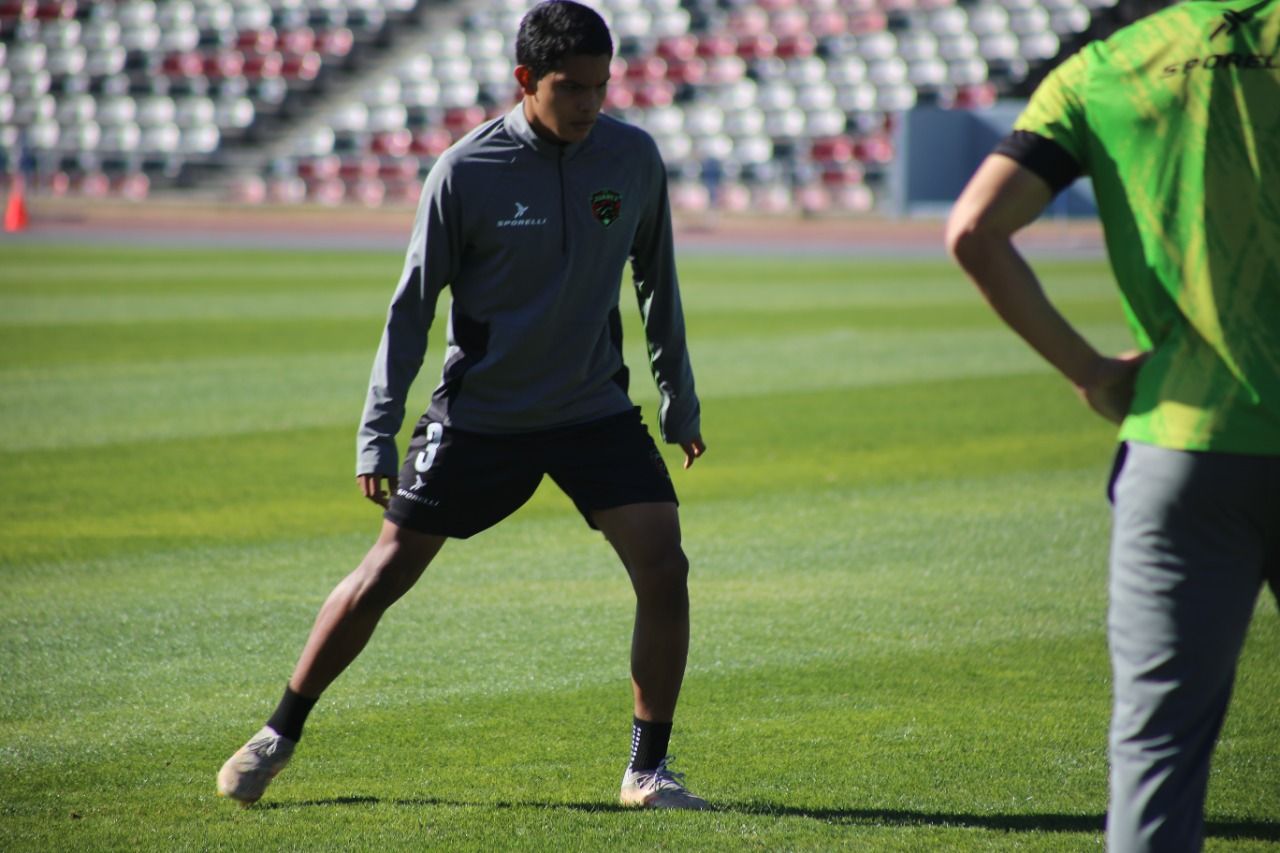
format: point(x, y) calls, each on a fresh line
point(556, 29)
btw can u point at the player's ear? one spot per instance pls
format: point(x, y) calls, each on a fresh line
point(524, 76)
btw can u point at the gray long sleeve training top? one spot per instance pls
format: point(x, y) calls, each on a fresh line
point(532, 238)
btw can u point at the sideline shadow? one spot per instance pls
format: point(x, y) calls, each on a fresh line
point(1246, 830)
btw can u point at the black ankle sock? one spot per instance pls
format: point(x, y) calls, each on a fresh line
point(291, 714)
point(648, 743)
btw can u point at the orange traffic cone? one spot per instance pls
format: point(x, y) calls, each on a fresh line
point(15, 212)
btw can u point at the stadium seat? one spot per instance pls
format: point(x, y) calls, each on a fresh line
point(50, 10)
point(248, 189)
point(746, 122)
point(300, 66)
point(257, 40)
point(160, 138)
point(199, 140)
point(74, 109)
point(259, 65)
point(235, 113)
point(322, 168)
point(431, 142)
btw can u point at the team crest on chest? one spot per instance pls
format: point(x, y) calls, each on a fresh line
point(606, 205)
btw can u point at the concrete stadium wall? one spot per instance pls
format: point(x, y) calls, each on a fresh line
point(937, 151)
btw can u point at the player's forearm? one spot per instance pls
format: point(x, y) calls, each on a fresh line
point(1014, 292)
point(669, 362)
point(396, 365)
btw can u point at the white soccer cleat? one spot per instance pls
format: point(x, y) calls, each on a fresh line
point(660, 788)
point(246, 774)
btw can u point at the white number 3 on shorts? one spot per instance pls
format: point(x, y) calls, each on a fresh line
point(427, 455)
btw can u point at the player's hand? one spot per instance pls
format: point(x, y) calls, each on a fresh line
point(1109, 391)
point(372, 487)
point(693, 448)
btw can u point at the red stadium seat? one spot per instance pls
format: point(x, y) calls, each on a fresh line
point(431, 142)
point(789, 22)
point(874, 149)
point(853, 198)
point(224, 64)
point(249, 189)
point(257, 41)
point(403, 192)
point(753, 47)
point(94, 185)
point(690, 71)
point(716, 45)
point(258, 66)
point(799, 45)
point(327, 192)
point(841, 174)
point(460, 120)
point(393, 143)
point(972, 97)
point(319, 168)
point(49, 10)
point(355, 168)
point(748, 21)
point(812, 200)
point(336, 42)
point(59, 184)
point(287, 190)
point(619, 96)
point(399, 169)
point(184, 64)
point(834, 149)
point(655, 94)
point(868, 22)
point(134, 186)
point(828, 22)
point(300, 40)
point(300, 66)
point(646, 69)
point(11, 10)
point(682, 47)
point(367, 191)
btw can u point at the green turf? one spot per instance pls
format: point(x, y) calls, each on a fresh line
point(898, 547)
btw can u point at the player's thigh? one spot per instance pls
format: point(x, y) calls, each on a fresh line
point(645, 535)
point(1187, 561)
point(402, 550)
point(457, 484)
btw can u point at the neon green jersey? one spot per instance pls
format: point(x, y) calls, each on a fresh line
point(1176, 118)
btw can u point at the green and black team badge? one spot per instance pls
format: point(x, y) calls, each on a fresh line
point(606, 205)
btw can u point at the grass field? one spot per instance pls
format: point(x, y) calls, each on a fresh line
point(898, 542)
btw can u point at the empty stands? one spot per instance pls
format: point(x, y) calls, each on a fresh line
point(766, 105)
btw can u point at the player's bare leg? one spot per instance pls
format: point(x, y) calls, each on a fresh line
point(647, 539)
point(342, 629)
point(348, 617)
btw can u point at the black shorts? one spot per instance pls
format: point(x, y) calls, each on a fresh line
point(456, 483)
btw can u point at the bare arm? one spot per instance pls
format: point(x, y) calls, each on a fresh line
point(1001, 198)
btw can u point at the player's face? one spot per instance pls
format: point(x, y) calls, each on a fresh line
point(563, 105)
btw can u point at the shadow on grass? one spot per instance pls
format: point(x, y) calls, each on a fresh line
point(1246, 830)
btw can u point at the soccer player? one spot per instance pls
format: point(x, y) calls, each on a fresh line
point(530, 221)
point(1175, 120)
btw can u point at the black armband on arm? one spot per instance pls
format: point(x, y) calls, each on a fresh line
point(1041, 155)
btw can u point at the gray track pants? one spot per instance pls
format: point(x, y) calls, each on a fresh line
point(1194, 536)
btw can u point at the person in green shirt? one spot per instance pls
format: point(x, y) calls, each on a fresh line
point(1176, 119)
